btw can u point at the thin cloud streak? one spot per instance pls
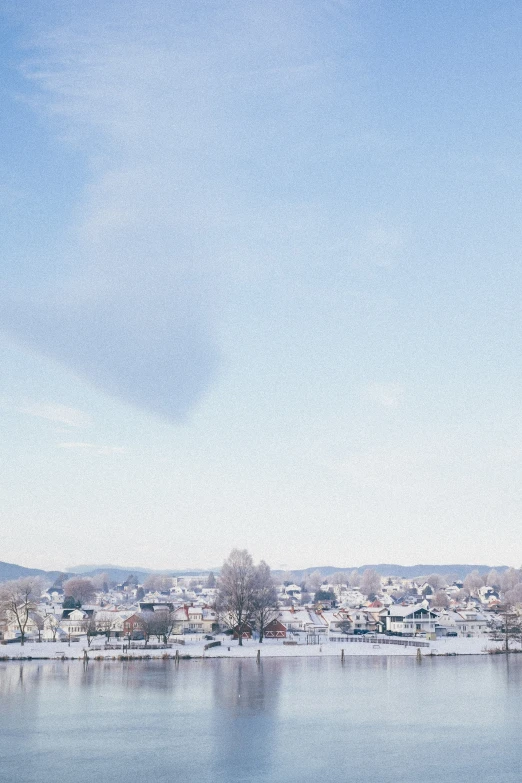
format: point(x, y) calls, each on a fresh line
point(61, 414)
point(91, 447)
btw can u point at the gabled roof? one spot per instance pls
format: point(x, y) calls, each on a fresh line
point(407, 611)
point(66, 613)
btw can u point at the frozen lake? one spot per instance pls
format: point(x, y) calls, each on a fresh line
point(369, 719)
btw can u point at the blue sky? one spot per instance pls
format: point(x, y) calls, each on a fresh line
point(261, 282)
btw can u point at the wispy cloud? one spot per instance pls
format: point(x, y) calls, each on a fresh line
point(61, 414)
point(91, 447)
point(188, 117)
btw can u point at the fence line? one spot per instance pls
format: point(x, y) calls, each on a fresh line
point(379, 640)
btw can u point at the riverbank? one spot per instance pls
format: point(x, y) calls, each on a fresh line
point(270, 648)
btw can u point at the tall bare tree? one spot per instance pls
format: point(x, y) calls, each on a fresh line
point(370, 582)
point(147, 625)
point(236, 587)
point(265, 598)
point(80, 588)
point(163, 622)
point(18, 599)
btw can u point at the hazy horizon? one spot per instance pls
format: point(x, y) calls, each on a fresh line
point(262, 281)
point(86, 567)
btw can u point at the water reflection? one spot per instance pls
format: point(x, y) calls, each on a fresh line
point(380, 719)
point(245, 703)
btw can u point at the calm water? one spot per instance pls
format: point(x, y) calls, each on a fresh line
point(373, 719)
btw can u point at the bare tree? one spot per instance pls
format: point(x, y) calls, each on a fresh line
point(509, 579)
point(493, 578)
point(436, 581)
point(451, 577)
point(52, 623)
point(370, 582)
point(473, 582)
point(355, 578)
point(511, 625)
point(147, 625)
point(18, 599)
point(157, 582)
point(91, 628)
point(236, 588)
point(314, 581)
point(265, 598)
point(105, 625)
point(339, 579)
point(38, 620)
point(440, 600)
point(163, 622)
point(80, 588)
point(513, 597)
point(101, 582)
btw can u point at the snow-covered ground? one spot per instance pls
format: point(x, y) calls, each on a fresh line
point(194, 647)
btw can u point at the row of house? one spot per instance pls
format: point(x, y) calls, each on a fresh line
point(410, 620)
point(403, 607)
point(72, 623)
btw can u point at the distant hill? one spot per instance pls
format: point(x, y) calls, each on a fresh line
point(120, 573)
point(407, 572)
point(11, 571)
point(114, 572)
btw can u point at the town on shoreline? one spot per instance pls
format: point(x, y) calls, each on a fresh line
point(245, 612)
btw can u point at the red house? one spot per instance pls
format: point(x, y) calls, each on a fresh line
point(130, 625)
point(275, 630)
point(246, 631)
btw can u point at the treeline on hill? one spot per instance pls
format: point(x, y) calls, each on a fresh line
point(117, 574)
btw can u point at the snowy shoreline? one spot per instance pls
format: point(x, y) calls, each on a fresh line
point(250, 649)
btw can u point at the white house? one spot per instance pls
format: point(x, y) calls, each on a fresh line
point(410, 620)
